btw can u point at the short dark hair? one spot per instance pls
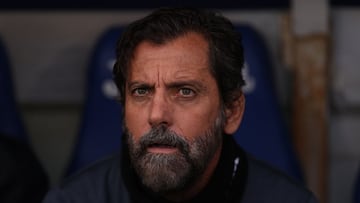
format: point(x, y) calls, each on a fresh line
point(165, 24)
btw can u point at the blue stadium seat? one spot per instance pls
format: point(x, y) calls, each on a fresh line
point(11, 123)
point(100, 130)
point(263, 132)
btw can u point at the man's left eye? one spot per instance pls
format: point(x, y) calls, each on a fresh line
point(186, 92)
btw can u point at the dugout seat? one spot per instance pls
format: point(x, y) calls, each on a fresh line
point(263, 131)
point(100, 130)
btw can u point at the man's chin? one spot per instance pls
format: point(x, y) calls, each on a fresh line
point(164, 172)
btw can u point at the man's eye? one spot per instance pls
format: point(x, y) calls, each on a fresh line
point(140, 91)
point(186, 92)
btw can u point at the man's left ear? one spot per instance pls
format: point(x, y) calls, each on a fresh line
point(234, 114)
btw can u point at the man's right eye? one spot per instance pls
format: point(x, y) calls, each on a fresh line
point(140, 92)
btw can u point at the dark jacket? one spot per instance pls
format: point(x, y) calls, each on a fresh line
point(114, 181)
point(22, 177)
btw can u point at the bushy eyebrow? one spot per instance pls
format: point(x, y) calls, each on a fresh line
point(193, 83)
point(177, 84)
point(138, 84)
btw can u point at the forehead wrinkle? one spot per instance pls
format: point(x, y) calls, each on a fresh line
point(158, 78)
point(186, 70)
point(190, 73)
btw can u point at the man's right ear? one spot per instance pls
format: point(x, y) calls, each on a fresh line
point(234, 114)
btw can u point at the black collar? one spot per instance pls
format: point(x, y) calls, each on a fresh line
point(226, 185)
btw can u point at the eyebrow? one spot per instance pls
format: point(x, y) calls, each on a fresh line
point(195, 83)
point(138, 84)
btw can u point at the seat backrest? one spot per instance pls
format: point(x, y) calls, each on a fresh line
point(263, 131)
point(11, 123)
point(100, 130)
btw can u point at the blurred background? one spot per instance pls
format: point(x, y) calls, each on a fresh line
point(314, 48)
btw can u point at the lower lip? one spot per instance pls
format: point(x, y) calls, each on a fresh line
point(162, 150)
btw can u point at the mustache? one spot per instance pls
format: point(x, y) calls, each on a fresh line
point(162, 135)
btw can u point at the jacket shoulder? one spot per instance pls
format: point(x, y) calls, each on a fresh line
point(267, 184)
point(100, 182)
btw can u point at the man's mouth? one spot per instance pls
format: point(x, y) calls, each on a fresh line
point(162, 148)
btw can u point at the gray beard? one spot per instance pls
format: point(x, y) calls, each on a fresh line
point(165, 173)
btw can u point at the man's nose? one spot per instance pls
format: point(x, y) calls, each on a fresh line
point(160, 110)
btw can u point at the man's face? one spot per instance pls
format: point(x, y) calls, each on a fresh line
point(173, 115)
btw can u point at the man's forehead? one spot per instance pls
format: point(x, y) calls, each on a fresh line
point(183, 56)
point(156, 75)
point(188, 38)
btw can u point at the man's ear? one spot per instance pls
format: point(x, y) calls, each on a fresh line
point(234, 114)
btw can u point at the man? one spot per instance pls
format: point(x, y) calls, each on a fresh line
point(179, 76)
